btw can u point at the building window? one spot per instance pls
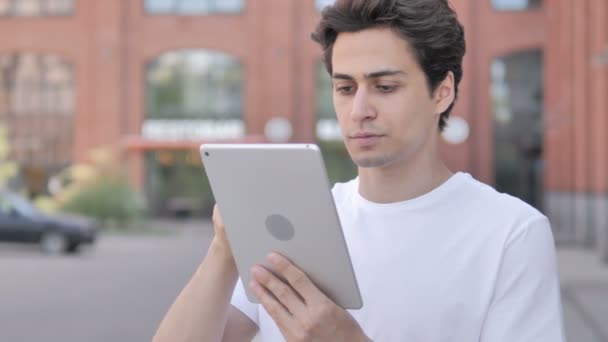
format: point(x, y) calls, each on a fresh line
point(28, 8)
point(327, 127)
point(517, 101)
point(191, 95)
point(194, 7)
point(338, 164)
point(320, 4)
point(37, 105)
point(194, 84)
point(325, 104)
point(516, 5)
point(194, 95)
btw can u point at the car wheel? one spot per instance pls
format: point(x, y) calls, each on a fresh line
point(73, 247)
point(54, 243)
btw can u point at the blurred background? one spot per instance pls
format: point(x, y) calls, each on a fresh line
point(103, 105)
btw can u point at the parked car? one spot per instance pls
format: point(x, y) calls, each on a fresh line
point(21, 222)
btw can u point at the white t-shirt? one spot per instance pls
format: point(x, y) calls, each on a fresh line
point(460, 263)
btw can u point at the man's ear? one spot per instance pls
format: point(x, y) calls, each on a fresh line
point(445, 93)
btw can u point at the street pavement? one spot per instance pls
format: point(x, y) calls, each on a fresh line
point(584, 282)
point(120, 289)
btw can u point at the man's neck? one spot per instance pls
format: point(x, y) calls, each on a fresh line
point(404, 180)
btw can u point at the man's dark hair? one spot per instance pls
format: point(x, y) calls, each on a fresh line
point(431, 28)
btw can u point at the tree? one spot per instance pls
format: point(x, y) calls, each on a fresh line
point(8, 169)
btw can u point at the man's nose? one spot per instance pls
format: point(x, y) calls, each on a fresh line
point(362, 108)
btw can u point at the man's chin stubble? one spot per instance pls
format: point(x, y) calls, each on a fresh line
point(372, 162)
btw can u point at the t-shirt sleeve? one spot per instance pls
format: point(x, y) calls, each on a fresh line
point(240, 301)
point(526, 305)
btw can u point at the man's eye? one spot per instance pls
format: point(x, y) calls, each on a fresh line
point(344, 89)
point(386, 88)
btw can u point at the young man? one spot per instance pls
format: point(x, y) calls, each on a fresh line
point(438, 256)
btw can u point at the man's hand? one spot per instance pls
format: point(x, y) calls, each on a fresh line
point(220, 241)
point(301, 311)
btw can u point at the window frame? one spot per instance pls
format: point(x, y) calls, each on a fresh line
point(516, 10)
point(70, 13)
point(319, 9)
point(158, 115)
point(147, 12)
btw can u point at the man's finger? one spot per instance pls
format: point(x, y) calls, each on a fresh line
point(281, 291)
point(296, 278)
point(275, 309)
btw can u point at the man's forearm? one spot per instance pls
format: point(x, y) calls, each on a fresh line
point(200, 311)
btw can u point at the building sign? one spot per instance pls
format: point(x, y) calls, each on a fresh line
point(192, 130)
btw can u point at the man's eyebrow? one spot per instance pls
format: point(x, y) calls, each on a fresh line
point(375, 74)
point(338, 76)
point(382, 73)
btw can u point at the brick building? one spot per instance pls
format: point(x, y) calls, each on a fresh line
point(157, 77)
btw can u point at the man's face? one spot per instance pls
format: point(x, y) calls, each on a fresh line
point(381, 98)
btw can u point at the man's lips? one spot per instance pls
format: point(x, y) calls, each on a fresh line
point(365, 138)
point(363, 135)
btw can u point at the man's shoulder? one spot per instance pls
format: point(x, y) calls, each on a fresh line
point(500, 206)
point(496, 218)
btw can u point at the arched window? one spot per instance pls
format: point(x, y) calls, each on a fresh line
point(198, 90)
point(37, 104)
point(21, 8)
point(516, 5)
point(194, 94)
point(194, 7)
point(194, 84)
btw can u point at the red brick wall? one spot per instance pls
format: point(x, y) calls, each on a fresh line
point(110, 42)
point(576, 97)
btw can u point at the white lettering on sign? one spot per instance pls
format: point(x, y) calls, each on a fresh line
point(167, 129)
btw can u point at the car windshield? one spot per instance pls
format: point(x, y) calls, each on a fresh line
point(22, 206)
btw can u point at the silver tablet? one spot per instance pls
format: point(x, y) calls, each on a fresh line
point(276, 197)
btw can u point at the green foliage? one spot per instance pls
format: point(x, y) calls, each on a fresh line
point(8, 169)
point(107, 201)
point(339, 165)
point(100, 189)
point(178, 177)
